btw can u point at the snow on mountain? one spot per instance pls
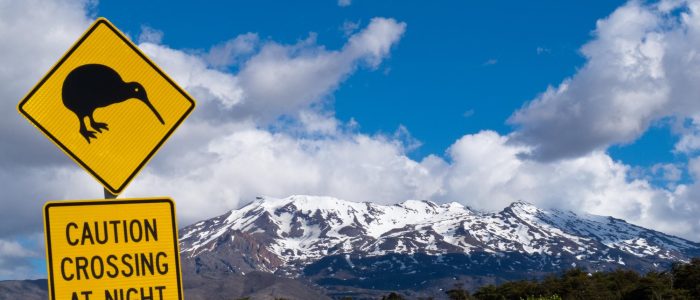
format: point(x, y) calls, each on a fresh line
point(287, 234)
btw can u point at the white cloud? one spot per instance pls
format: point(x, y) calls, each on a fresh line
point(625, 85)
point(374, 42)
point(641, 68)
point(284, 79)
point(17, 261)
point(232, 51)
point(35, 34)
point(344, 3)
point(264, 130)
point(236, 166)
point(279, 79)
point(14, 249)
point(484, 171)
point(316, 123)
point(487, 173)
point(689, 142)
point(150, 35)
point(350, 27)
point(215, 90)
point(667, 172)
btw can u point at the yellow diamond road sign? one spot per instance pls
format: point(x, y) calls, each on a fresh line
point(112, 250)
point(107, 106)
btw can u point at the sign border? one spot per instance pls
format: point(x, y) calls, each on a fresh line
point(47, 231)
point(103, 21)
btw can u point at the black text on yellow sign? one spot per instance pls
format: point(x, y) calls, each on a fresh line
point(125, 249)
point(107, 106)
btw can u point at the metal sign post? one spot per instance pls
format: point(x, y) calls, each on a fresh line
point(109, 195)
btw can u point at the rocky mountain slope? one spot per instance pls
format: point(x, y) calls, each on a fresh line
point(24, 289)
point(305, 247)
point(411, 245)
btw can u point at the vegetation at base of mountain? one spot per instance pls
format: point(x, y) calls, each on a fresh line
point(681, 282)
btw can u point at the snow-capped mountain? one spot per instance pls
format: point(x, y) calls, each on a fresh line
point(324, 237)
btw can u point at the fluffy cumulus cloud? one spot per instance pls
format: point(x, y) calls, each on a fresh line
point(278, 79)
point(263, 126)
point(488, 172)
point(150, 35)
point(271, 81)
point(249, 162)
point(282, 79)
point(16, 259)
point(641, 68)
point(232, 51)
point(232, 155)
point(35, 34)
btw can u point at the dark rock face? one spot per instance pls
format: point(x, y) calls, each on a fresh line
point(238, 253)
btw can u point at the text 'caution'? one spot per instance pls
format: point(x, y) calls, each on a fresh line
point(112, 250)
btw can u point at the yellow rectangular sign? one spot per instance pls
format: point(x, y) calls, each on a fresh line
point(122, 249)
point(107, 106)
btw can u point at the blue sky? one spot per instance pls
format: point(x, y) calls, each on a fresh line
point(586, 106)
point(474, 62)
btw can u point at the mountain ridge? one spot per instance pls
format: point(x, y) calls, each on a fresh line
point(310, 247)
point(289, 236)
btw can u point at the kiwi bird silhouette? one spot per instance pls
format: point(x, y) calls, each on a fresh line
point(89, 87)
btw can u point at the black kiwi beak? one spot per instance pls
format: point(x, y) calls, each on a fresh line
point(153, 109)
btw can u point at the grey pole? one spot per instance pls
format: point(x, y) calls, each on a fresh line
point(109, 195)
